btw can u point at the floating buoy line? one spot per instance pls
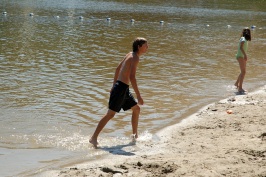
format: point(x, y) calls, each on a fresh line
point(108, 19)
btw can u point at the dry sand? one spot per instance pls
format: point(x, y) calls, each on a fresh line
point(208, 143)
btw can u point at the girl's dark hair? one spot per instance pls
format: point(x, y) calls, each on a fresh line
point(139, 41)
point(246, 33)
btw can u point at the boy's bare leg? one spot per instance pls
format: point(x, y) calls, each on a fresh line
point(135, 120)
point(109, 115)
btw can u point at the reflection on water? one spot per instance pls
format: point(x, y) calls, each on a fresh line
point(57, 69)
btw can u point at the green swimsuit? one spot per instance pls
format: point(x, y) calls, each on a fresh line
point(245, 47)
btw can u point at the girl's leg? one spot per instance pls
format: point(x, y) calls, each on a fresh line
point(237, 81)
point(242, 65)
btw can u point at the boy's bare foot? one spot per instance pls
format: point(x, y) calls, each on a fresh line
point(134, 137)
point(94, 143)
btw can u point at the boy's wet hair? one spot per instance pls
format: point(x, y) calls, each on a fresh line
point(139, 41)
point(246, 33)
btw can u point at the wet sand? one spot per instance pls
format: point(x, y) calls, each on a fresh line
point(212, 142)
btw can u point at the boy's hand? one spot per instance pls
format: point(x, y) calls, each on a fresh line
point(140, 100)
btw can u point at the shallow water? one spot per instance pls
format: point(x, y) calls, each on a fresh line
point(57, 70)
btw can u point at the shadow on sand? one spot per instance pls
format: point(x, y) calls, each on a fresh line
point(118, 149)
point(241, 93)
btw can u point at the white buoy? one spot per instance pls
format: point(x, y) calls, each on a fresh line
point(161, 22)
point(207, 25)
point(57, 16)
point(108, 19)
point(132, 20)
point(4, 13)
point(253, 27)
point(228, 26)
point(80, 17)
point(31, 14)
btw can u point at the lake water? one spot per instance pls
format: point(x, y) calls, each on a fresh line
point(57, 70)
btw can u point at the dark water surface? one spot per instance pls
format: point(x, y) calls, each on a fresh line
point(57, 69)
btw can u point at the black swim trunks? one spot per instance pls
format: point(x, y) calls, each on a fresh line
point(121, 97)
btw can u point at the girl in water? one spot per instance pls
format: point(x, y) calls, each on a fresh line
point(242, 58)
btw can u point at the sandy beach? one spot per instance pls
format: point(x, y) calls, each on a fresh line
point(226, 138)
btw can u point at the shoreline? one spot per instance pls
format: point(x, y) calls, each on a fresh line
point(210, 142)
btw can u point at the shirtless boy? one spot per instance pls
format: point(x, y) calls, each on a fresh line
point(120, 96)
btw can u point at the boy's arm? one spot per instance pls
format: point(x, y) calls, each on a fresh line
point(133, 79)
